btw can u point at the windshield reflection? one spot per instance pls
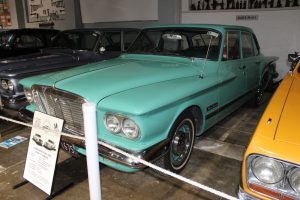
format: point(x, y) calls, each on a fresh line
point(198, 43)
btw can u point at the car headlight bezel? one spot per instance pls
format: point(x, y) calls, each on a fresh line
point(29, 95)
point(268, 162)
point(125, 124)
point(10, 85)
point(110, 117)
point(126, 128)
point(282, 188)
point(291, 182)
point(4, 84)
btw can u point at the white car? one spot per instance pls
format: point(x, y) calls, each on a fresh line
point(50, 145)
point(37, 138)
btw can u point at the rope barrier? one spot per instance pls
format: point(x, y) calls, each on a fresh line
point(164, 171)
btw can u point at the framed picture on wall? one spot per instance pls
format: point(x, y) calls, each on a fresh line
point(44, 10)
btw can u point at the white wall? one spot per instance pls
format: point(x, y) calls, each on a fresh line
point(115, 10)
point(278, 32)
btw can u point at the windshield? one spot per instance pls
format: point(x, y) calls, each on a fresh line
point(199, 43)
point(77, 40)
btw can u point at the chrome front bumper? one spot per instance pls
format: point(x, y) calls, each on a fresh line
point(244, 195)
point(150, 154)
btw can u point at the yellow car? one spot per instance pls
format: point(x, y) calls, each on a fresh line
point(271, 165)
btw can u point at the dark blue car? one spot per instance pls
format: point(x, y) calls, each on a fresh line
point(24, 41)
point(70, 48)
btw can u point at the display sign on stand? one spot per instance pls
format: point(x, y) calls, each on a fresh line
point(43, 151)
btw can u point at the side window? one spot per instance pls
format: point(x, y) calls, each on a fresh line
point(247, 46)
point(231, 49)
point(129, 37)
point(28, 41)
point(112, 41)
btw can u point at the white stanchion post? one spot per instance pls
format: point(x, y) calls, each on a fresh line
point(91, 141)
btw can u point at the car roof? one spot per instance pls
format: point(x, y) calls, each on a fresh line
point(29, 30)
point(218, 27)
point(103, 29)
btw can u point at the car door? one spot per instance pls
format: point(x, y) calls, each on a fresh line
point(250, 61)
point(231, 73)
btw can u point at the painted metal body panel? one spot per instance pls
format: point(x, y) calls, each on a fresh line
point(153, 90)
point(278, 138)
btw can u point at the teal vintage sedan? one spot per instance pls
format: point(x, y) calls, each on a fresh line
point(172, 84)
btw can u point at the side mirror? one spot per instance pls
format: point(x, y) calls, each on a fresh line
point(294, 59)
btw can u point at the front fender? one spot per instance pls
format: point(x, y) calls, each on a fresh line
point(155, 108)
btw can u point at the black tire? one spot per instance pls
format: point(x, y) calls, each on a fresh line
point(182, 137)
point(263, 86)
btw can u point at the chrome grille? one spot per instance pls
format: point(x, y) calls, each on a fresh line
point(61, 104)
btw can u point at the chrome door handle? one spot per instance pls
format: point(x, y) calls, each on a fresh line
point(257, 62)
point(242, 67)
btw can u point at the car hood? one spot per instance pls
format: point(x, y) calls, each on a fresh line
point(99, 80)
point(287, 129)
point(45, 61)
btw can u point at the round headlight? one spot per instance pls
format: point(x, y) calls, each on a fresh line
point(10, 85)
point(130, 129)
point(267, 170)
point(4, 84)
point(294, 179)
point(112, 124)
point(28, 94)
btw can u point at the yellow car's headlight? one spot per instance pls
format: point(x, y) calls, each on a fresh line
point(294, 179)
point(267, 170)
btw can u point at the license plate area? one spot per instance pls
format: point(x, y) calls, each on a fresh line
point(68, 147)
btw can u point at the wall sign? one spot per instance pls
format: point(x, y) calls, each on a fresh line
point(246, 17)
point(5, 18)
point(219, 5)
point(45, 10)
point(43, 151)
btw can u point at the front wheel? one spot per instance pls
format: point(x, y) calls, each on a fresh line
point(182, 137)
point(263, 86)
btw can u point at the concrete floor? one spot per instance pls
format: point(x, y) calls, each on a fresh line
point(215, 162)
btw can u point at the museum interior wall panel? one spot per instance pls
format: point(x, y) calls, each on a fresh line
point(167, 12)
point(115, 11)
point(277, 29)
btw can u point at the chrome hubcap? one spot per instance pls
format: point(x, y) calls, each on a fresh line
point(181, 143)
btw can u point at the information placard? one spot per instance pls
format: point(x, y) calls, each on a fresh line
point(43, 151)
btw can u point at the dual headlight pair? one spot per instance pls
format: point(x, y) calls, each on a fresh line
point(121, 125)
point(7, 85)
point(270, 171)
point(29, 95)
point(114, 123)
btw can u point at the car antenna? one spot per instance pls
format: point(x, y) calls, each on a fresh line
point(208, 49)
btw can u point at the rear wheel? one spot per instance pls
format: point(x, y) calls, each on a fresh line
point(182, 137)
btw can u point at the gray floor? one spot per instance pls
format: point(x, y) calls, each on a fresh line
point(215, 162)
